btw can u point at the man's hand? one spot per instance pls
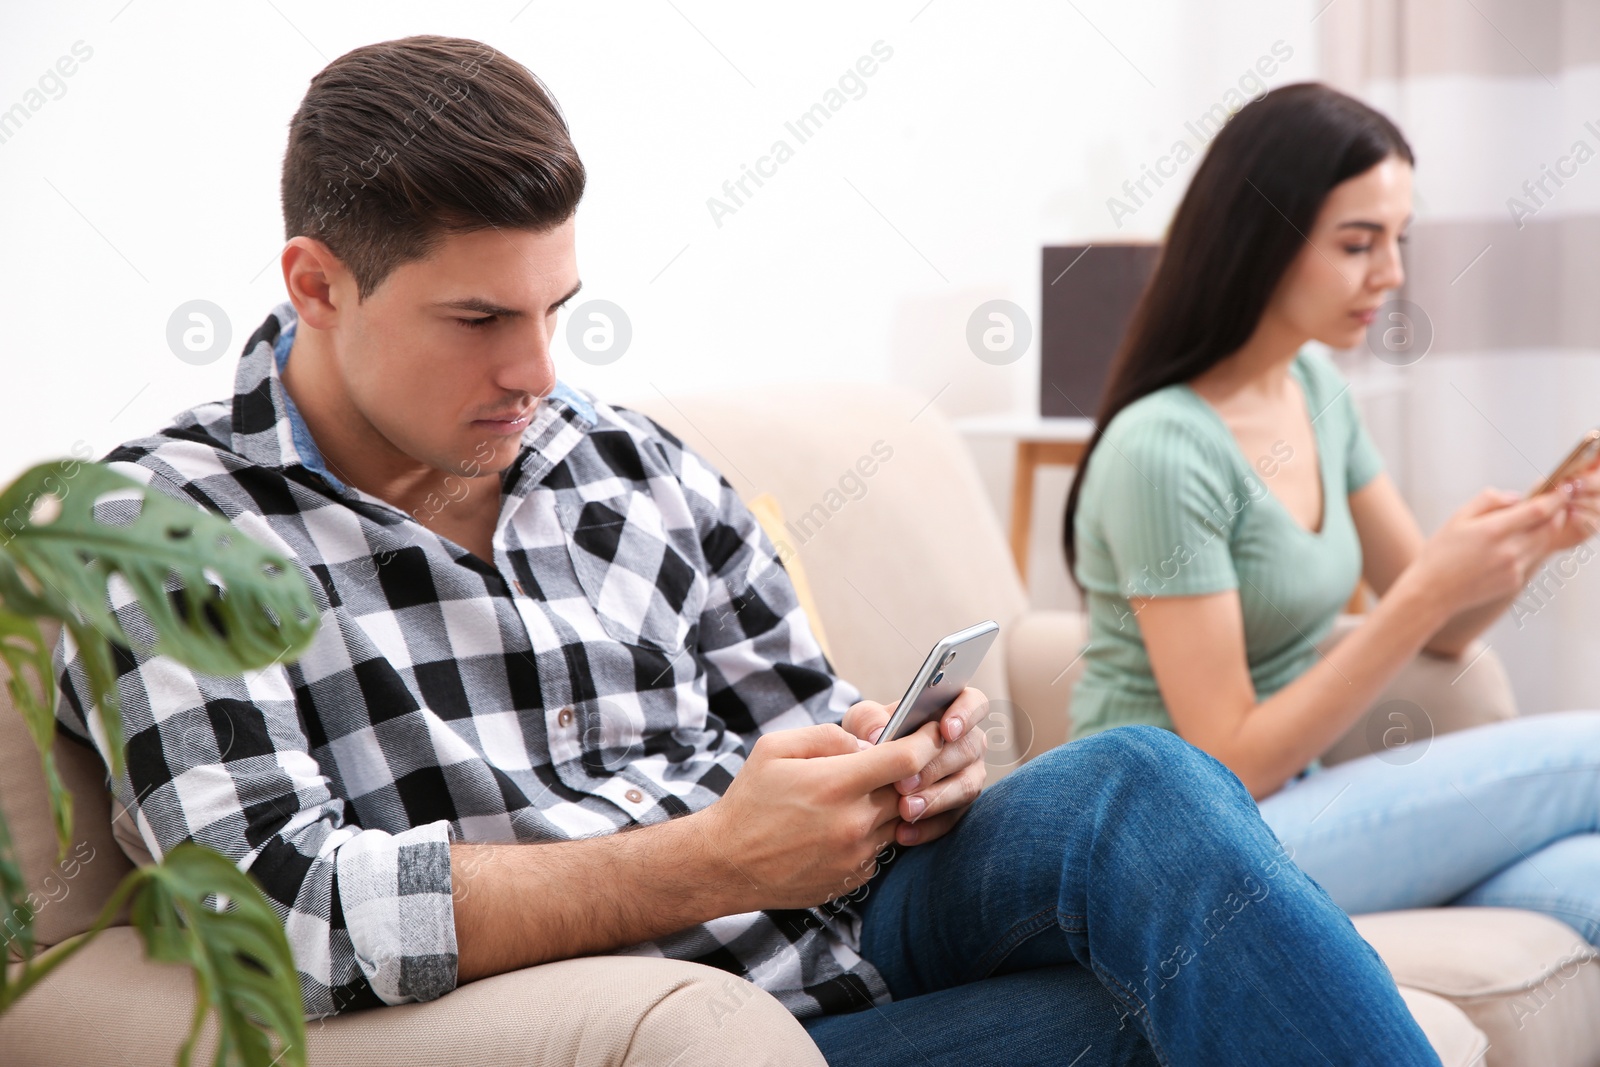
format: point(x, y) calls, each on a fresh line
point(940, 792)
point(805, 817)
point(801, 824)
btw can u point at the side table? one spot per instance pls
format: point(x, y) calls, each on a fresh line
point(1040, 442)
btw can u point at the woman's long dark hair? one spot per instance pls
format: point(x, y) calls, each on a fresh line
point(1241, 223)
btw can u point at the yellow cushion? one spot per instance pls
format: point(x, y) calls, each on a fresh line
point(769, 513)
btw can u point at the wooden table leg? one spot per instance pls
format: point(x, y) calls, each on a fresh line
point(1031, 455)
point(1022, 505)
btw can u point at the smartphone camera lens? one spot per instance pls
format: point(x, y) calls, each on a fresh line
point(938, 676)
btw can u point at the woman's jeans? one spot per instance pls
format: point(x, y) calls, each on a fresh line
point(1116, 900)
point(1505, 815)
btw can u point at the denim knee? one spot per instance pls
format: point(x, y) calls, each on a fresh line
point(1133, 753)
point(1135, 765)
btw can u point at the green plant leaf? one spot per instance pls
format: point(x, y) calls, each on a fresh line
point(35, 968)
point(235, 605)
point(23, 649)
point(25, 652)
point(16, 925)
point(94, 652)
point(18, 593)
point(244, 970)
point(219, 603)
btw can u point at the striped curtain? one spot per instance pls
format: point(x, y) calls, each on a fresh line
point(1488, 368)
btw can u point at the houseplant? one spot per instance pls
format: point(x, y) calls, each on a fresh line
point(220, 603)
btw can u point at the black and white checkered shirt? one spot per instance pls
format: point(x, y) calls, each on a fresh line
point(611, 666)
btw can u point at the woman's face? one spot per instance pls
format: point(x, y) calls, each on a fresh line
point(1350, 259)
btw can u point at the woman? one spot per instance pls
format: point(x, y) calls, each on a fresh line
point(1231, 499)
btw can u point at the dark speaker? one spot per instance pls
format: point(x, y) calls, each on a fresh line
point(1089, 293)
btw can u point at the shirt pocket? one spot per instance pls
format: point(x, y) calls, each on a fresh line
point(641, 588)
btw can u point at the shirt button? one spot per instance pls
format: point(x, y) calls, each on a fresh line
point(634, 796)
point(564, 717)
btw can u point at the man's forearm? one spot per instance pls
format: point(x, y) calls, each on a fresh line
point(518, 905)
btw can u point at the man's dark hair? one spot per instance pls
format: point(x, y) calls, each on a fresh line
point(399, 144)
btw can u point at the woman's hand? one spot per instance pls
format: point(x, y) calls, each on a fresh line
point(1582, 517)
point(1489, 549)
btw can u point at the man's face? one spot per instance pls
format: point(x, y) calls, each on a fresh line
point(449, 357)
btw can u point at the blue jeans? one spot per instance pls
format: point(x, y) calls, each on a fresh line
point(1506, 815)
point(1117, 900)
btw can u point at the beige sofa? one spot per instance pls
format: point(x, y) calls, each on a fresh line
point(901, 545)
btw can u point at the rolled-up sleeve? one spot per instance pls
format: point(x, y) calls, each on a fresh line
point(226, 762)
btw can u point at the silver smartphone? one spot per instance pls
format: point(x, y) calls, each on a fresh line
point(946, 671)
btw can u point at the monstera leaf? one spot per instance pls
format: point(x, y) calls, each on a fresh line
point(32, 683)
point(210, 597)
point(215, 600)
point(241, 959)
point(118, 563)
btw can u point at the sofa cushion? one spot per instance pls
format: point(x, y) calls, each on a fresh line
point(587, 1012)
point(1530, 983)
point(1044, 659)
point(769, 513)
point(883, 503)
point(1432, 695)
point(1449, 1031)
point(595, 1011)
point(70, 892)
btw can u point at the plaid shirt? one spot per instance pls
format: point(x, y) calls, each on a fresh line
point(611, 666)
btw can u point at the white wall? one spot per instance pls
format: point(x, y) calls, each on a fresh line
point(152, 180)
point(1504, 415)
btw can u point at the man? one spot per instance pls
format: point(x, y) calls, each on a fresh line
point(545, 620)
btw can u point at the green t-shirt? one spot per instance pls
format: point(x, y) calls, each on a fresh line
point(1170, 506)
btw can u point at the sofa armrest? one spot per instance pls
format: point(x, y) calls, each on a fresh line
point(1043, 661)
point(593, 1011)
point(1431, 695)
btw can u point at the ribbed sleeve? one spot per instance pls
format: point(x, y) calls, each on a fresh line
point(1166, 507)
point(1364, 462)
